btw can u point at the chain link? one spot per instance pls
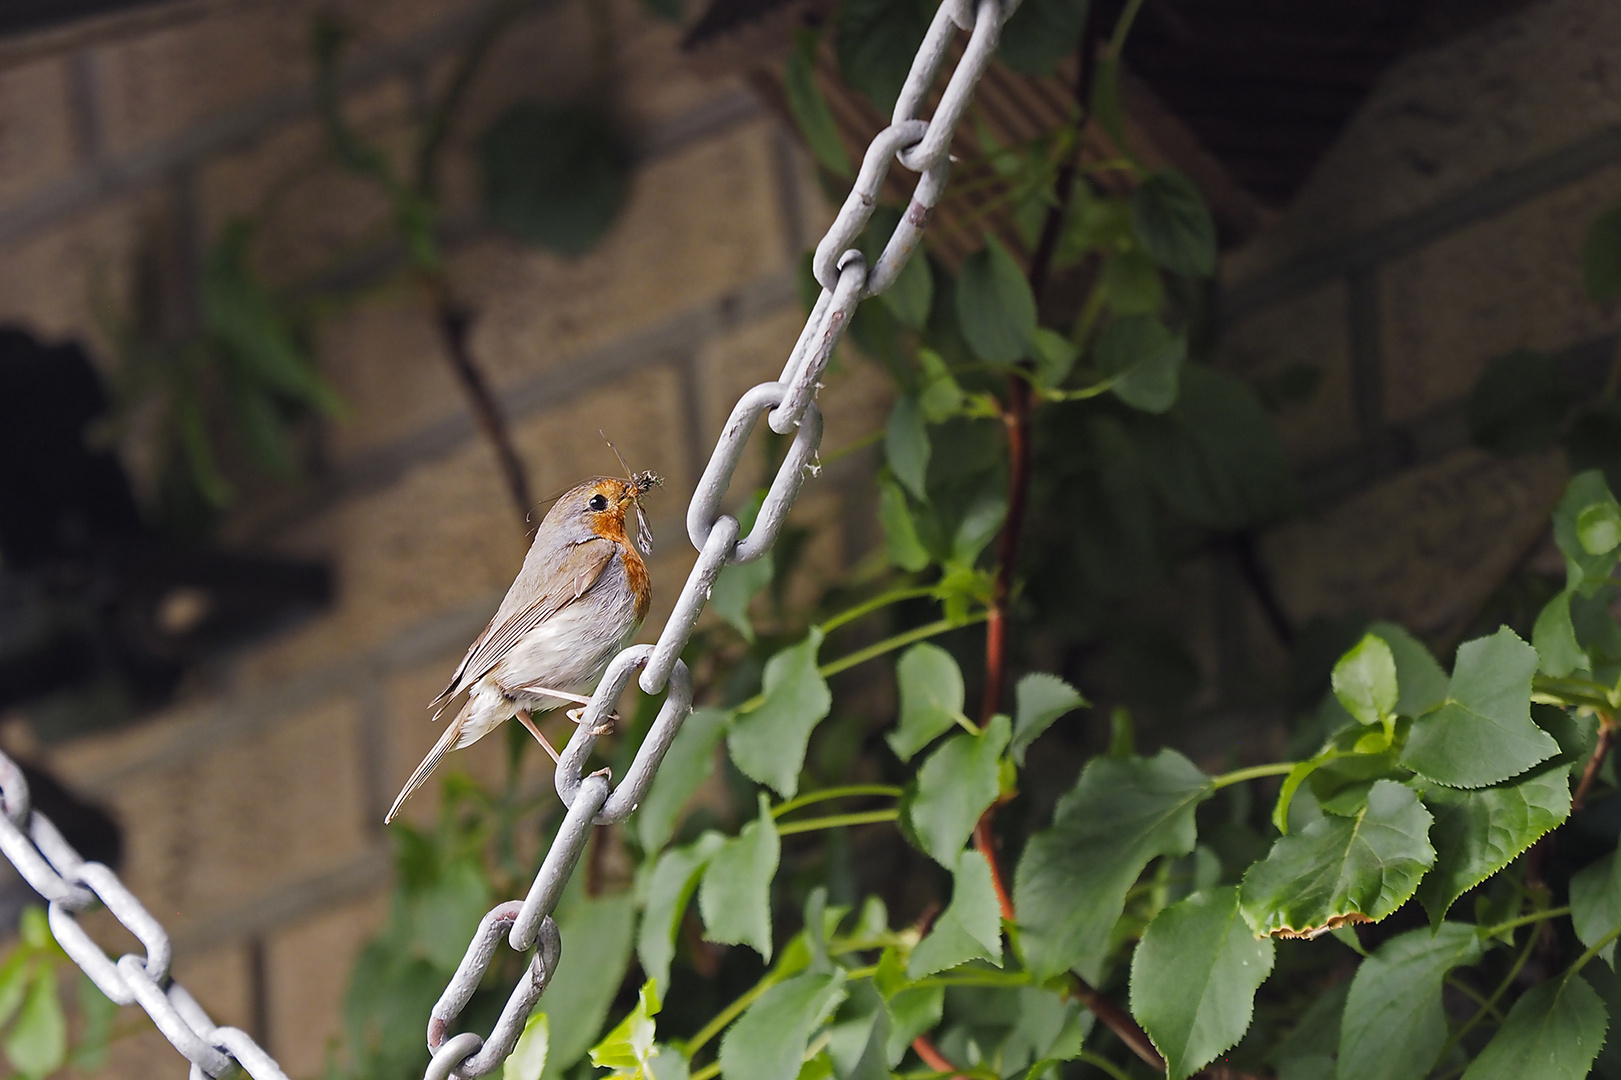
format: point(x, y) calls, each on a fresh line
point(70, 884)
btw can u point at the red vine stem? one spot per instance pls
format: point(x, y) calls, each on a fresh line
point(1606, 739)
point(932, 1057)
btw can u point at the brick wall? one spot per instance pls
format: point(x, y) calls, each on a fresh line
point(253, 809)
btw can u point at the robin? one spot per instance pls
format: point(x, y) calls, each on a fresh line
point(580, 598)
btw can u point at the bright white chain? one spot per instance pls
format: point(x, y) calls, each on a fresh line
point(69, 884)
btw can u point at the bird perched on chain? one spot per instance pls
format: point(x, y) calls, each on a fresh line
point(580, 597)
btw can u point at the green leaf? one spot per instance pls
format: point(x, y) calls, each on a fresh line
point(941, 396)
point(931, 698)
point(1518, 404)
point(528, 1058)
point(901, 543)
point(1553, 1032)
point(669, 889)
point(734, 589)
point(768, 744)
point(1601, 257)
point(1584, 570)
point(1194, 977)
point(1072, 879)
point(1040, 34)
point(735, 894)
point(1105, 102)
point(598, 936)
point(970, 928)
point(768, 1041)
point(875, 41)
point(1554, 638)
point(809, 107)
point(954, 786)
point(1174, 225)
point(995, 308)
point(1394, 1024)
point(98, 1014)
point(910, 297)
point(1422, 683)
point(1598, 528)
point(37, 1041)
point(1040, 699)
point(1483, 732)
point(629, 1046)
point(978, 526)
point(1595, 903)
point(1365, 680)
point(1146, 360)
point(1131, 284)
point(1055, 356)
point(1341, 870)
point(14, 981)
point(687, 764)
point(856, 1040)
point(448, 910)
point(1479, 832)
point(906, 446)
point(913, 1011)
point(554, 175)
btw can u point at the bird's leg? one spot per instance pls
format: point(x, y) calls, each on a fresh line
point(578, 716)
point(527, 721)
point(572, 714)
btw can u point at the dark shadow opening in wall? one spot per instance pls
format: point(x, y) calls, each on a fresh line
point(21, 16)
point(100, 614)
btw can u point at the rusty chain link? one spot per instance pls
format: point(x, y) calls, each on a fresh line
point(69, 884)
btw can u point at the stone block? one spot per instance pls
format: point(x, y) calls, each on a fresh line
point(221, 979)
point(1309, 330)
point(307, 966)
point(1442, 120)
point(1423, 549)
point(1513, 281)
point(36, 127)
point(245, 815)
point(698, 226)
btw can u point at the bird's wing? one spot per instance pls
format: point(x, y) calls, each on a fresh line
point(578, 570)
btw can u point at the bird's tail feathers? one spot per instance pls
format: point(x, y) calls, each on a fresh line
point(446, 743)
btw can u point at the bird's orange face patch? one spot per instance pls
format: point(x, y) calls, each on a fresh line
point(609, 523)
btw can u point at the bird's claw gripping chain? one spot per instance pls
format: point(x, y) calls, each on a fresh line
point(70, 884)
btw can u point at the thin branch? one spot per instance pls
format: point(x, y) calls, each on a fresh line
point(1606, 738)
point(933, 1058)
point(1116, 1020)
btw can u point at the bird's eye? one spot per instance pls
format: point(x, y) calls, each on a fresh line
point(598, 502)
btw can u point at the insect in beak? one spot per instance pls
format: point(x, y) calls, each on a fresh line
point(640, 484)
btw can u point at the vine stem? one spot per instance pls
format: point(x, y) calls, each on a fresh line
point(1524, 920)
point(835, 821)
point(1496, 996)
point(933, 1058)
point(1254, 772)
point(1606, 738)
point(846, 792)
point(867, 607)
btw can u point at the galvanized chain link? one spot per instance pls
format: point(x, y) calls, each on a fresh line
point(69, 884)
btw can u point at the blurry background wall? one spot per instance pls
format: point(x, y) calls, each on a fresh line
point(1442, 228)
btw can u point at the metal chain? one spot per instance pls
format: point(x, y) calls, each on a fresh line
point(70, 884)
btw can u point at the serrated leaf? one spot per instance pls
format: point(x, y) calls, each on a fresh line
point(1421, 682)
point(734, 896)
point(1040, 699)
point(598, 932)
point(995, 308)
point(978, 525)
point(37, 1041)
point(1342, 870)
point(1394, 1024)
point(1601, 257)
point(1553, 1032)
point(1173, 224)
point(931, 694)
point(1040, 34)
point(1365, 680)
point(734, 589)
point(906, 445)
point(669, 890)
point(1482, 733)
point(1584, 571)
point(1598, 528)
point(768, 744)
point(1194, 977)
point(1055, 356)
point(970, 928)
point(1072, 879)
point(856, 1040)
point(768, 1041)
point(1145, 359)
point(687, 764)
point(528, 1060)
point(954, 786)
point(809, 107)
point(1554, 638)
point(875, 41)
point(913, 1011)
point(1479, 832)
point(628, 1048)
point(901, 542)
point(1595, 903)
